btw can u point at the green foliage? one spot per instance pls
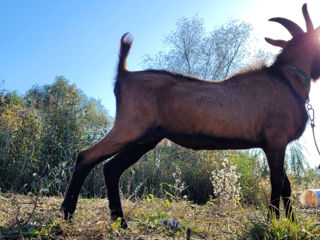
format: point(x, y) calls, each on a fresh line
point(249, 175)
point(283, 228)
point(19, 138)
point(310, 178)
point(41, 134)
point(156, 173)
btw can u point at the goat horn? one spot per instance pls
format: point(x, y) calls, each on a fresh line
point(292, 27)
point(307, 18)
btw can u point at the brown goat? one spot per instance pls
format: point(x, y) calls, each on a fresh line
point(259, 108)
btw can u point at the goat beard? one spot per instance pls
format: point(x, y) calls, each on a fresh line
point(315, 68)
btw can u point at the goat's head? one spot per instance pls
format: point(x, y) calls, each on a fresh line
point(303, 49)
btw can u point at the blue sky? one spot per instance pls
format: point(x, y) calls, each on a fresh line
point(79, 39)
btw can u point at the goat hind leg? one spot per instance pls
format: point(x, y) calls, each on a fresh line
point(113, 170)
point(82, 167)
point(114, 142)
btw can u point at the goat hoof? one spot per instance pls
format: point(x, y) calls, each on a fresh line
point(123, 222)
point(67, 214)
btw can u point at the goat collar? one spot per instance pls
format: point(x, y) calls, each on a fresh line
point(276, 69)
point(300, 73)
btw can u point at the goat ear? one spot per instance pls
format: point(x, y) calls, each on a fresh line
point(277, 43)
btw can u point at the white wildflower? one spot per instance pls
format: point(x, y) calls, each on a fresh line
point(226, 184)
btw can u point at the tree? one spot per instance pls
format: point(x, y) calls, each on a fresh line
point(209, 55)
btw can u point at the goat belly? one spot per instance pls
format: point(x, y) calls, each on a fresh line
point(202, 141)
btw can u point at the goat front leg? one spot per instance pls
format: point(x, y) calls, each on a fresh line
point(277, 176)
point(286, 197)
point(113, 170)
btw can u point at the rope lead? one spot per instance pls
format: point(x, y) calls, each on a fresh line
point(310, 112)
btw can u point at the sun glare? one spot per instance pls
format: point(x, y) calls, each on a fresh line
point(258, 16)
point(261, 11)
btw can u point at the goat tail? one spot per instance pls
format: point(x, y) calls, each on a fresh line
point(125, 45)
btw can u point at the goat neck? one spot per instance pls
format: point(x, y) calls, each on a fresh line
point(297, 80)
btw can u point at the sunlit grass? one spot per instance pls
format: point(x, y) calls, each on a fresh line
point(145, 218)
point(305, 226)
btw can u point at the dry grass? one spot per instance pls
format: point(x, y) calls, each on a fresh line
point(92, 221)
